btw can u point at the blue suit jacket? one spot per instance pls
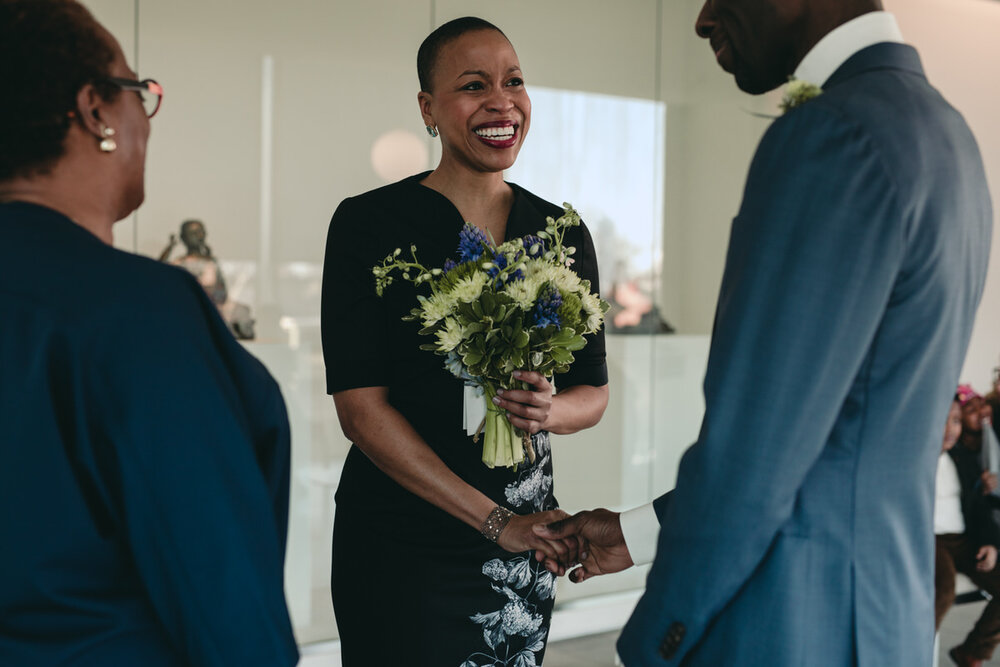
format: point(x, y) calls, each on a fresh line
point(800, 529)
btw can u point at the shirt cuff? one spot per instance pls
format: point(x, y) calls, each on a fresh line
point(641, 530)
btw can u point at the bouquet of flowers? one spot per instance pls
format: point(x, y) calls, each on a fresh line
point(502, 308)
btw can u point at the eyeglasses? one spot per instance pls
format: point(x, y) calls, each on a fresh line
point(150, 92)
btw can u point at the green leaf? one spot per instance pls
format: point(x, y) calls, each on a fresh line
point(521, 339)
point(562, 356)
point(488, 303)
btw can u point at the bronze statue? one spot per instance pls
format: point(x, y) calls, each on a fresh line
point(199, 262)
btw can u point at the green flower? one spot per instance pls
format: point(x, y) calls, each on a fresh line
point(797, 93)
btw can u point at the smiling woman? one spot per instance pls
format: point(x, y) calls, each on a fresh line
point(415, 498)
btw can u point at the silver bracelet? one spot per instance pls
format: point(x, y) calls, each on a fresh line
point(496, 522)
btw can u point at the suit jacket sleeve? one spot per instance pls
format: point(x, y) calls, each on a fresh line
point(812, 260)
point(189, 457)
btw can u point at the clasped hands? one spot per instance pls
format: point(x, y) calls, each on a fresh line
point(586, 544)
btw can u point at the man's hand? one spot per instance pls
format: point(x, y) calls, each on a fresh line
point(989, 482)
point(605, 551)
point(986, 558)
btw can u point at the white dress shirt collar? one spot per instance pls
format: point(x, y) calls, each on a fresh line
point(843, 42)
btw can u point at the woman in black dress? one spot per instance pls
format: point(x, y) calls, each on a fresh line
point(418, 576)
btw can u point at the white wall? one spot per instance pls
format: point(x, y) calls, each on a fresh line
point(957, 40)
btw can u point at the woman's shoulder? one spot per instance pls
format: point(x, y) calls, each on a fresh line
point(140, 294)
point(530, 200)
point(530, 213)
point(393, 195)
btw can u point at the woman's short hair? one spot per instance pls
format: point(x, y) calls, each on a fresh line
point(431, 47)
point(49, 50)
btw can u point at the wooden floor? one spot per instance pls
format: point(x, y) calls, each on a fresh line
point(598, 650)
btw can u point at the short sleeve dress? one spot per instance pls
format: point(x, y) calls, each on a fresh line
point(411, 584)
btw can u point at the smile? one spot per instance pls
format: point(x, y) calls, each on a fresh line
point(498, 136)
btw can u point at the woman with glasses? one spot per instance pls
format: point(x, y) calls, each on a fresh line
point(144, 455)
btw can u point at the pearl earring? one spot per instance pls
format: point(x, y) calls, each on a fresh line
point(108, 145)
point(431, 130)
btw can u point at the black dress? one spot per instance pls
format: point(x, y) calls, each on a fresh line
point(411, 584)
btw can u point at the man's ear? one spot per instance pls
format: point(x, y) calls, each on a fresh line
point(424, 100)
point(89, 105)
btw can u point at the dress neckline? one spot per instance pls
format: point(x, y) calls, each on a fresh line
point(511, 217)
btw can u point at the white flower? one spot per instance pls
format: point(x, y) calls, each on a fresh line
point(566, 280)
point(436, 307)
point(495, 570)
point(592, 307)
point(469, 288)
point(515, 619)
point(533, 488)
point(450, 336)
point(523, 292)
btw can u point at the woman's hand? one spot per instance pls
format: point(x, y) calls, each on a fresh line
point(518, 536)
point(528, 410)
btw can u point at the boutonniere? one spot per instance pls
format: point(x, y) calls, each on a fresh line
point(797, 93)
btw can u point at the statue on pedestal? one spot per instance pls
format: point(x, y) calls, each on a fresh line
point(199, 262)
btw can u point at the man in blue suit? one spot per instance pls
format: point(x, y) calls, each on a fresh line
point(800, 529)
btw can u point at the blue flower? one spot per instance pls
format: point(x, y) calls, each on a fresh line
point(471, 242)
point(531, 241)
point(546, 310)
point(449, 264)
point(500, 263)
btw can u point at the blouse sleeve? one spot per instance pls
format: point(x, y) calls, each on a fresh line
point(194, 467)
point(590, 364)
point(352, 317)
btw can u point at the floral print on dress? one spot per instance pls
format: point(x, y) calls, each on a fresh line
point(515, 633)
point(532, 490)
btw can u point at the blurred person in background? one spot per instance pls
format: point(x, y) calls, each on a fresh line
point(144, 455)
point(993, 400)
point(966, 536)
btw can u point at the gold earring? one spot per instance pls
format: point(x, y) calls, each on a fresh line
point(431, 130)
point(108, 145)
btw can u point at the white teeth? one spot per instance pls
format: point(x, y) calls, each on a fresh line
point(500, 133)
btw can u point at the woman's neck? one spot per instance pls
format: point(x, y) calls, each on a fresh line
point(482, 198)
point(85, 209)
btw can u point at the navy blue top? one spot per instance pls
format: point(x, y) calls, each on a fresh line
point(144, 463)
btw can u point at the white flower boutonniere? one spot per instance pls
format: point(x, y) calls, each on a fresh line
point(797, 93)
